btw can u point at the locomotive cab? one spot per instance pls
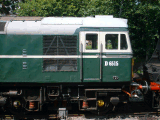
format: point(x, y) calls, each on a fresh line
point(106, 56)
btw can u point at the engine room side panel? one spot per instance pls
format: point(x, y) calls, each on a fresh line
point(21, 45)
point(22, 59)
point(20, 70)
point(30, 70)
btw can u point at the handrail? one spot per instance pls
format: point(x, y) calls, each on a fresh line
point(101, 62)
point(81, 62)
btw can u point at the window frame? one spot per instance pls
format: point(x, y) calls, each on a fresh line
point(102, 39)
point(126, 41)
point(105, 42)
point(83, 41)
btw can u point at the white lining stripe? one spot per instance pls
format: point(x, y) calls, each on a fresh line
point(65, 56)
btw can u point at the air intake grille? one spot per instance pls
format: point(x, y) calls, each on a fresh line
point(2, 25)
point(60, 45)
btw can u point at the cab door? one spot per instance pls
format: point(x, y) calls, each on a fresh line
point(90, 56)
point(117, 57)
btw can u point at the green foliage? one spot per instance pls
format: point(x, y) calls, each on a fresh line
point(7, 6)
point(140, 72)
point(65, 7)
point(89, 47)
point(144, 29)
point(48, 8)
point(96, 7)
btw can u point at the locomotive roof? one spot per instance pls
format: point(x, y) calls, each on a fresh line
point(58, 25)
point(21, 18)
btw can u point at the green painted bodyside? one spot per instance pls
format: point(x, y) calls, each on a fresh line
point(11, 69)
point(91, 53)
point(14, 44)
point(91, 68)
point(122, 71)
point(111, 29)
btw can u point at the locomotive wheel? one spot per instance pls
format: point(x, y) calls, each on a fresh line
point(20, 111)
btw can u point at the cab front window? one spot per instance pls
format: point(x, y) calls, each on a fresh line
point(91, 41)
point(123, 42)
point(111, 41)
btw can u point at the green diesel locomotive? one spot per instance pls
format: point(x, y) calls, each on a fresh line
point(50, 63)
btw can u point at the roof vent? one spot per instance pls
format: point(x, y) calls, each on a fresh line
point(103, 16)
point(61, 21)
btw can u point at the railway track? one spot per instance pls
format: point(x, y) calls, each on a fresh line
point(128, 116)
point(132, 111)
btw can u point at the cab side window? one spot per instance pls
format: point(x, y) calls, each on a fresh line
point(111, 41)
point(91, 41)
point(123, 42)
